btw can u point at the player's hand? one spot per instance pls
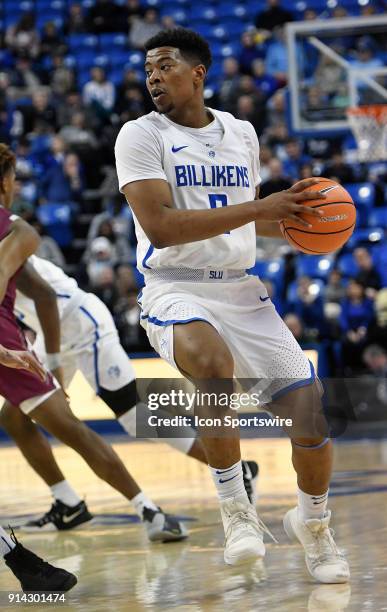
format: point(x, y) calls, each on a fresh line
point(22, 360)
point(288, 204)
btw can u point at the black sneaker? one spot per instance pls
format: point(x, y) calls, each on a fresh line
point(163, 527)
point(60, 517)
point(250, 478)
point(34, 573)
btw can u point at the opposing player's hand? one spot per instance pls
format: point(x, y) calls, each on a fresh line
point(22, 360)
point(287, 204)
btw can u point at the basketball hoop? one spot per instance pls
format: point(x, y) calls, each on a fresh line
point(369, 126)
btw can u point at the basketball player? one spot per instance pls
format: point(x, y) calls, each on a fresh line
point(191, 176)
point(33, 573)
point(75, 330)
point(45, 401)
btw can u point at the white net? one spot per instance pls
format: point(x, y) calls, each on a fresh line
point(369, 126)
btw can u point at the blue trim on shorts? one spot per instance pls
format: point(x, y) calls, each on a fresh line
point(95, 345)
point(156, 321)
point(296, 385)
point(147, 255)
point(63, 295)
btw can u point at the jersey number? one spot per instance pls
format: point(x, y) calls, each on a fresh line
point(217, 198)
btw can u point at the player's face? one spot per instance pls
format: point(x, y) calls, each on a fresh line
point(8, 188)
point(170, 79)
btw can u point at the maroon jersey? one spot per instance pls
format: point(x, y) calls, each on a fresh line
point(16, 385)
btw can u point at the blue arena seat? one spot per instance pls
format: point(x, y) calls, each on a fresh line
point(78, 41)
point(108, 42)
point(347, 265)
point(270, 269)
point(56, 218)
point(315, 266)
point(199, 14)
point(292, 295)
point(365, 235)
point(84, 58)
point(363, 194)
point(117, 57)
point(378, 217)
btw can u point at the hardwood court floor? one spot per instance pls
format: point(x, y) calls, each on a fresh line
point(119, 571)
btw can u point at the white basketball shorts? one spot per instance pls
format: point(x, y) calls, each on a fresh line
point(92, 346)
point(262, 346)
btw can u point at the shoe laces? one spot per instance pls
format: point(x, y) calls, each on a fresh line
point(50, 516)
point(247, 520)
point(324, 545)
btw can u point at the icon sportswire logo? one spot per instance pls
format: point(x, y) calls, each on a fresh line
point(177, 149)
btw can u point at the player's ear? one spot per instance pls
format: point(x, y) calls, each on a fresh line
point(199, 74)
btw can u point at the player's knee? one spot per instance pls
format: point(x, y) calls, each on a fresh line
point(215, 365)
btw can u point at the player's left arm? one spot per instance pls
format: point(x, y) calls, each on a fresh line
point(21, 360)
point(32, 285)
point(21, 242)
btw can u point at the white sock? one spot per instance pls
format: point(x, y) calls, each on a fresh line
point(140, 501)
point(229, 481)
point(6, 544)
point(63, 492)
point(312, 506)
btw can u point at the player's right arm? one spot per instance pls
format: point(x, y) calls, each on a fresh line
point(21, 242)
point(21, 360)
point(33, 286)
point(143, 181)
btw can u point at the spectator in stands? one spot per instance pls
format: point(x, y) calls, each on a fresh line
point(20, 205)
point(143, 28)
point(266, 83)
point(249, 52)
point(132, 11)
point(277, 181)
point(375, 358)
point(294, 158)
point(334, 291)
point(40, 116)
point(48, 247)
point(377, 331)
point(99, 93)
point(100, 271)
point(368, 276)
point(338, 170)
point(104, 16)
point(357, 313)
point(119, 215)
point(22, 37)
point(51, 41)
point(274, 15)
point(329, 75)
point(309, 306)
point(73, 103)
point(294, 323)
point(131, 102)
point(314, 104)
point(119, 243)
point(249, 110)
point(75, 22)
point(277, 57)
point(62, 78)
point(309, 15)
point(265, 155)
point(63, 181)
point(365, 58)
point(276, 107)
point(229, 83)
point(77, 135)
point(23, 80)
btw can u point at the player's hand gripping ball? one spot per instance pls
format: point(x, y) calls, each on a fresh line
point(328, 232)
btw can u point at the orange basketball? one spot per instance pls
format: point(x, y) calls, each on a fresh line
point(328, 232)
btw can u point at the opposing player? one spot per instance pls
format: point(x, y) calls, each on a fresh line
point(45, 401)
point(191, 176)
point(86, 339)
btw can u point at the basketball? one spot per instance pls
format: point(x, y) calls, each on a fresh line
point(329, 232)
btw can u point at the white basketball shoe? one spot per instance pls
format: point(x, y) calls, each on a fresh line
point(323, 559)
point(243, 531)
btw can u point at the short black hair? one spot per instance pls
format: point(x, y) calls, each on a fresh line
point(191, 45)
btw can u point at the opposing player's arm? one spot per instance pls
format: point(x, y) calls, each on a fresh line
point(21, 241)
point(32, 285)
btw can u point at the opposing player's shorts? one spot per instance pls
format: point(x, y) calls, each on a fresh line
point(92, 346)
point(20, 387)
point(262, 346)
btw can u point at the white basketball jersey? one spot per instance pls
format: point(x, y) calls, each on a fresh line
point(201, 176)
point(66, 289)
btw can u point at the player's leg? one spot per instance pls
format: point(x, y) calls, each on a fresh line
point(55, 416)
point(33, 573)
point(201, 354)
point(312, 460)
point(38, 452)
